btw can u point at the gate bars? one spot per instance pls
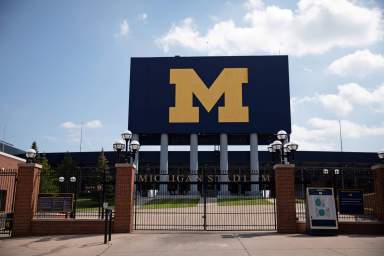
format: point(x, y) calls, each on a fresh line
point(204, 202)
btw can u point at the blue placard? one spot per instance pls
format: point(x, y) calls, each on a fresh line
point(351, 202)
point(183, 95)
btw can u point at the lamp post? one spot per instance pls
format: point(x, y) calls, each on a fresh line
point(30, 155)
point(118, 146)
point(73, 181)
point(380, 154)
point(284, 147)
point(131, 147)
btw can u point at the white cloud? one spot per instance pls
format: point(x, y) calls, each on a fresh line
point(358, 64)
point(69, 125)
point(93, 124)
point(313, 28)
point(143, 17)
point(348, 96)
point(323, 134)
point(124, 29)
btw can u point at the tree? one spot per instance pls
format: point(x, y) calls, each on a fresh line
point(66, 169)
point(103, 172)
point(48, 178)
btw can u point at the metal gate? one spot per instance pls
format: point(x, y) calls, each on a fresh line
point(8, 179)
point(205, 201)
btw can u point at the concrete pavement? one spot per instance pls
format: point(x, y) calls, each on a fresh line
point(202, 243)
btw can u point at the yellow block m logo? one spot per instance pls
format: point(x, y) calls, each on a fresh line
point(229, 83)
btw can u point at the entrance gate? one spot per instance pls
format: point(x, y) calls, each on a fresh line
point(206, 201)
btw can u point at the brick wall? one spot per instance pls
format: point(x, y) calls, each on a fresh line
point(285, 198)
point(67, 227)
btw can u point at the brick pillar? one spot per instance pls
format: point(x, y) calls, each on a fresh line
point(124, 191)
point(285, 198)
point(27, 192)
point(379, 190)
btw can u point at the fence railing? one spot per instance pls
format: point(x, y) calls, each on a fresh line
point(8, 179)
point(346, 178)
point(82, 193)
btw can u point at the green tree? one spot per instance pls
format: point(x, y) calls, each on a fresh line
point(103, 171)
point(49, 179)
point(66, 169)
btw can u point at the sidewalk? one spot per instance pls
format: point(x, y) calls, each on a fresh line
point(196, 244)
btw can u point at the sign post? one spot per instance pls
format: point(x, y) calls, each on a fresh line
point(321, 211)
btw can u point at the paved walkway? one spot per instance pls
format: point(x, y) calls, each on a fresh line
point(194, 244)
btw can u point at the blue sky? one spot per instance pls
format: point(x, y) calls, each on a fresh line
point(67, 62)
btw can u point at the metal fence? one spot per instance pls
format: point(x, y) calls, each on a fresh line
point(339, 178)
point(8, 179)
point(81, 193)
point(204, 201)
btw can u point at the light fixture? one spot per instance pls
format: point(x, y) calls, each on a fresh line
point(380, 154)
point(30, 155)
point(325, 171)
point(135, 146)
point(292, 146)
point(61, 179)
point(118, 145)
point(282, 135)
point(72, 179)
point(126, 135)
point(131, 147)
point(276, 145)
point(282, 146)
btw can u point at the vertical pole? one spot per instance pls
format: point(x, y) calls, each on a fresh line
point(105, 225)
point(193, 163)
point(223, 164)
point(204, 191)
point(254, 161)
point(110, 225)
point(164, 164)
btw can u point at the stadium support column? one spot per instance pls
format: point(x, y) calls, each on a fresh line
point(223, 164)
point(164, 164)
point(193, 163)
point(254, 157)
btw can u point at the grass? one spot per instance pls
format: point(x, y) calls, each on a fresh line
point(88, 204)
point(171, 203)
point(242, 201)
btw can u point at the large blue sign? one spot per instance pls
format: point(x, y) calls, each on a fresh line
point(210, 95)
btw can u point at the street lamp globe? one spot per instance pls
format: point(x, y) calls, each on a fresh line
point(126, 135)
point(118, 145)
point(61, 179)
point(292, 146)
point(30, 154)
point(135, 146)
point(72, 179)
point(282, 135)
point(380, 154)
point(276, 145)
